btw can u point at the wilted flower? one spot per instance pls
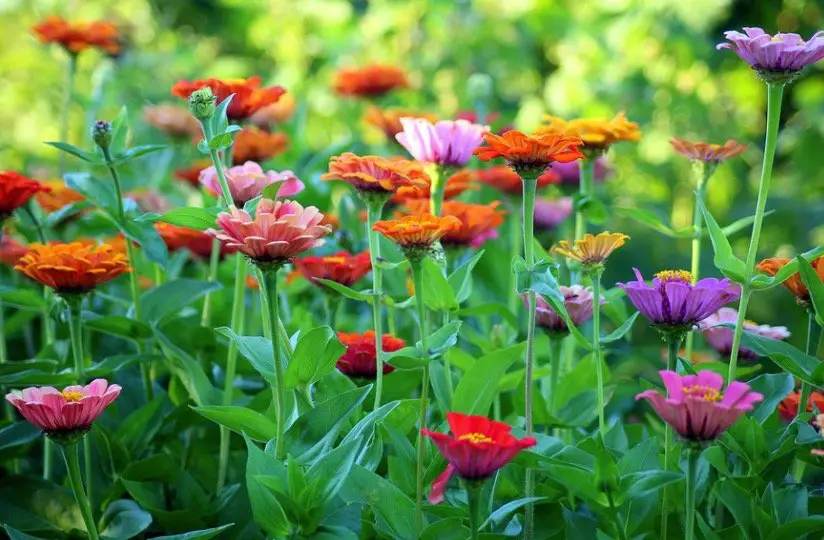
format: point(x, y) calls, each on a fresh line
point(577, 302)
point(720, 337)
point(249, 95)
point(191, 174)
point(247, 181)
point(74, 268)
point(341, 267)
point(279, 231)
point(15, 191)
point(57, 196)
point(172, 120)
point(570, 172)
point(370, 81)
point(508, 182)
point(478, 222)
point(707, 152)
point(456, 184)
point(360, 358)
point(549, 213)
point(591, 250)
point(779, 57)
point(794, 283)
point(696, 407)
point(597, 134)
point(64, 416)
point(374, 174)
point(529, 154)
point(389, 120)
point(416, 235)
point(448, 143)
point(77, 37)
point(477, 449)
point(788, 408)
point(254, 144)
point(197, 242)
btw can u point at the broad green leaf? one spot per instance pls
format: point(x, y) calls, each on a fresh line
point(14, 437)
point(117, 325)
point(739, 224)
point(75, 151)
point(123, 519)
point(451, 528)
point(240, 420)
point(98, 192)
point(145, 235)
point(763, 281)
point(461, 279)
point(790, 359)
point(168, 298)
point(23, 299)
point(343, 290)
point(478, 386)
point(192, 218)
point(219, 120)
point(394, 511)
point(644, 483)
point(267, 511)
point(189, 370)
point(725, 260)
point(326, 476)
point(315, 356)
point(219, 142)
point(441, 339)
point(814, 285)
point(205, 534)
point(774, 387)
point(53, 219)
point(437, 294)
point(503, 513)
point(739, 502)
point(256, 349)
point(621, 331)
point(136, 152)
point(800, 528)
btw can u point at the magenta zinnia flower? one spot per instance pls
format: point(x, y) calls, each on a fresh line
point(549, 213)
point(67, 414)
point(448, 142)
point(578, 303)
point(674, 303)
point(778, 53)
point(695, 405)
point(248, 180)
point(279, 231)
point(720, 337)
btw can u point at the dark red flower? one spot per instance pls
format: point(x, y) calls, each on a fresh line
point(15, 191)
point(478, 447)
point(342, 267)
point(360, 359)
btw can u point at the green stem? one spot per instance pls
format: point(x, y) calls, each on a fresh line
point(775, 92)
point(530, 185)
point(672, 364)
point(417, 276)
point(516, 240)
point(473, 497)
point(697, 222)
point(438, 190)
point(554, 375)
point(374, 209)
point(692, 475)
point(269, 288)
point(596, 347)
point(76, 482)
point(71, 69)
point(813, 334)
point(214, 259)
point(76, 336)
point(48, 327)
point(4, 358)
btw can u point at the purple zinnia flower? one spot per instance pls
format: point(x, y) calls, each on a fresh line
point(674, 303)
point(448, 142)
point(695, 405)
point(571, 172)
point(549, 213)
point(778, 53)
point(720, 337)
point(578, 303)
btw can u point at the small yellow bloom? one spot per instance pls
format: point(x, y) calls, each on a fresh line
point(591, 250)
point(597, 133)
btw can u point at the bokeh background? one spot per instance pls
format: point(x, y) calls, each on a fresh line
point(654, 59)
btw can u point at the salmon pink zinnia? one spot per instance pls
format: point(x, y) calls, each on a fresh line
point(248, 180)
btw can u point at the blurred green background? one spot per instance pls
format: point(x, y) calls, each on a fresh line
point(655, 59)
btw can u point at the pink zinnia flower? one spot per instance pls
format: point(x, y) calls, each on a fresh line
point(448, 142)
point(248, 180)
point(720, 337)
point(549, 213)
point(778, 53)
point(279, 231)
point(695, 405)
point(578, 303)
point(62, 414)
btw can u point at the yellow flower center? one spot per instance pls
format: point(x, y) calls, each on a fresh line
point(72, 396)
point(475, 438)
point(674, 275)
point(334, 260)
point(705, 393)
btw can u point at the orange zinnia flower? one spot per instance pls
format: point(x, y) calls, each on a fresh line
point(455, 185)
point(11, 250)
point(375, 174)
point(591, 250)
point(342, 267)
point(788, 408)
point(73, 268)
point(276, 113)
point(416, 234)
point(171, 119)
point(706, 152)
point(249, 96)
point(370, 81)
point(478, 222)
point(77, 37)
point(596, 133)
point(794, 283)
point(389, 120)
point(507, 181)
point(15, 191)
point(58, 196)
point(530, 154)
point(254, 144)
point(191, 174)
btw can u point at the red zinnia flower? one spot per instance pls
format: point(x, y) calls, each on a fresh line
point(15, 191)
point(77, 37)
point(342, 267)
point(250, 96)
point(360, 359)
point(197, 242)
point(478, 448)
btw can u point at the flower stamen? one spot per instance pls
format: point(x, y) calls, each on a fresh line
point(72, 396)
point(475, 438)
point(682, 276)
point(702, 392)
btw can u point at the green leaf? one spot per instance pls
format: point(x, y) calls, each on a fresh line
point(189, 370)
point(763, 281)
point(774, 387)
point(451, 528)
point(75, 151)
point(240, 420)
point(136, 152)
point(461, 279)
point(57, 217)
point(256, 349)
point(123, 519)
point(267, 511)
point(205, 534)
point(739, 502)
point(23, 299)
point(739, 224)
point(790, 359)
point(437, 294)
point(394, 511)
point(224, 140)
point(117, 325)
point(646, 218)
point(621, 331)
point(644, 483)
point(800, 528)
point(487, 309)
point(99, 193)
point(729, 265)
point(168, 298)
point(315, 356)
point(814, 286)
point(14, 534)
point(14, 436)
point(503, 513)
point(145, 235)
point(192, 218)
point(326, 476)
point(441, 340)
point(219, 120)
point(478, 386)
point(343, 290)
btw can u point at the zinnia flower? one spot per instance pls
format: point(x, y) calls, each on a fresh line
point(695, 405)
point(707, 152)
point(782, 55)
point(597, 134)
point(788, 408)
point(476, 450)
point(249, 95)
point(570, 172)
point(673, 303)
point(57, 196)
point(276, 113)
point(342, 267)
point(549, 213)
point(197, 242)
point(254, 144)
point(448, 143)
point(279, 231)
point(149, 200)
point(247, 181)
point(11, 250)
point(577, 302)
point(374, 174)
point(15, 191)
point(64, 415)
point(74, 268)
point(530, 154)
point(360, 358)
point(456, 184)
point(77, 37)
point(720, 337)
point(370, 81)
point(415, 235)
point(508, 182)
point(389, 120)
point(191, 174)
point(478, 222)
point(591, 250)
point(794, 283)
point(172, 120)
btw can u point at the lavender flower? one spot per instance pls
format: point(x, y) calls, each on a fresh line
point(448, 142)
point(720, 337)
point(578, 303)
point(778, 54)
point(549, 213)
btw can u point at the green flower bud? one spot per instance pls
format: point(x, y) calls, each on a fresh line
point(202, 103)
point(102, 134)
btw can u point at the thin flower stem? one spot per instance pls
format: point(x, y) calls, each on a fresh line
point(554, 374)
point(672, 363)
point(76, 336)
point(374, 209)
point(697, 222)
point(596, 348)
point(692, 475)
point(417, 276)
point(214, 259)
point(76, 482)
point(813, 335)
point(269, 288)
point(775, 92)
point(71, 70)
point(438, 189)
point(516, 240)
point(473, 497)
point(530, 185)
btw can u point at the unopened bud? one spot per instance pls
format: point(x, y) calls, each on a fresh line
point(479, 86)
point(102, 133)
point(202, 103)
